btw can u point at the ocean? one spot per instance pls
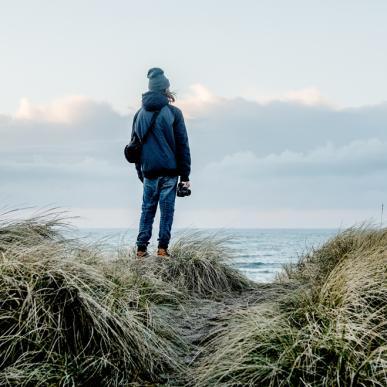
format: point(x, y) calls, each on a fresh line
point(257, 253)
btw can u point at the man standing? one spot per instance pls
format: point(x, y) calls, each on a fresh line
point(165, 157)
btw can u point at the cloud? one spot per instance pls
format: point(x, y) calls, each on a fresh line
point(67, 116)
point(310, 96)
point(198, 99)
point(293, 152)
point(87, 168)
point(356, 158)
point(66, 110)
point(74, 119)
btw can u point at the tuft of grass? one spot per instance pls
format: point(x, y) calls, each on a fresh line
point(200, 265)
point(44, 226)
point(330, 331)
point(313, 267)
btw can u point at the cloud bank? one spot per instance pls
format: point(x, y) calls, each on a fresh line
point(290, 153)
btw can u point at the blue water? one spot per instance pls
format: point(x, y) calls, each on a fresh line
point(257, 253)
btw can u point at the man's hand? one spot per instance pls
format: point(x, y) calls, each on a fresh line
point(186, 184)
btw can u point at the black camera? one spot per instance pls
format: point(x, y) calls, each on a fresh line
point(182, 190)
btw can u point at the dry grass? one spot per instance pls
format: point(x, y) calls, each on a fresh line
point(66, 322)
point(200, 265)
point(72, 316)
point(331, 331)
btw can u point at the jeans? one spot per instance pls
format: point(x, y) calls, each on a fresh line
point(161, 190)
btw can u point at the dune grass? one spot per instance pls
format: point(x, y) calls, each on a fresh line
point(73, 314)
point(199, 266)
point(330, 331)
point(70, 315)
point(66, 318)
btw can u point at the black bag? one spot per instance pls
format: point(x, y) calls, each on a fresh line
point(133, 150)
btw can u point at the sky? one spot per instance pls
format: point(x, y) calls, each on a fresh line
point(285, 105)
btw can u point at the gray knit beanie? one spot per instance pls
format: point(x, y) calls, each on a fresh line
point(157, 80)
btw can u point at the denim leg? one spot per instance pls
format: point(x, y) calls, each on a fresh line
point(168, 187)
point(150, 199)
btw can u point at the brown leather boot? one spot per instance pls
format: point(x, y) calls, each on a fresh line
point(142, 254)
point(163, 253)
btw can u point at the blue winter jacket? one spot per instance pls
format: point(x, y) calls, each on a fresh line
point(166, 150)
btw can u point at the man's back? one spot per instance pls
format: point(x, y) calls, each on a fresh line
point(166, 151)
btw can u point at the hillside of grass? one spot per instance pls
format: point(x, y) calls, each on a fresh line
point(329, 330)
point(74, 314)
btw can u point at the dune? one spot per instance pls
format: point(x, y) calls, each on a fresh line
point(73, 314)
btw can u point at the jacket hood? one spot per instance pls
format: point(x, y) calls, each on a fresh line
point(152, 101)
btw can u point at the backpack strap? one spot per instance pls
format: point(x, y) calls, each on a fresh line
point(151, 126)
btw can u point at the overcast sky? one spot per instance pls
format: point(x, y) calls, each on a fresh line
point(285, 105)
